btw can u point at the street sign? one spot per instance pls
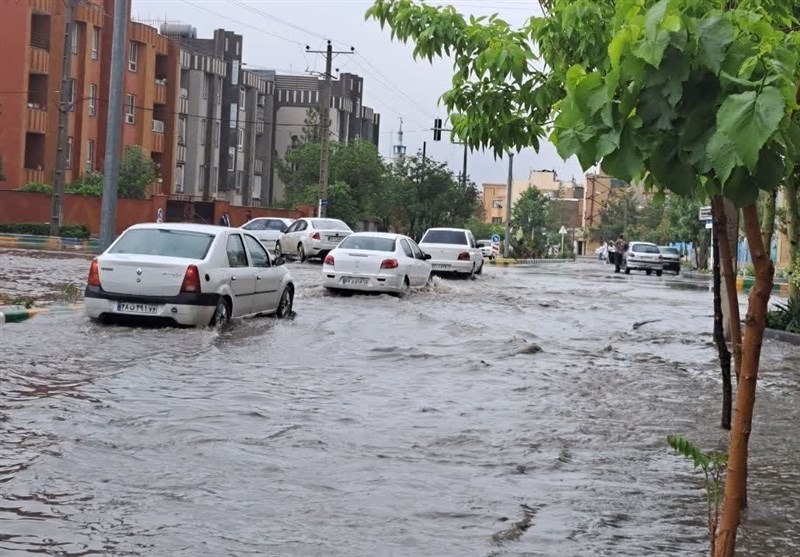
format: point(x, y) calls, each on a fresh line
point(709, 224)
point(496, 239)
point(705, 213)
point(563, 230)
point(325, 202)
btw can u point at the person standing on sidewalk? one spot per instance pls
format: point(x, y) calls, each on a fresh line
point(619, 248)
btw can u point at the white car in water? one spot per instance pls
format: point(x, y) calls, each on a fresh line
point(452, 250)
point(376, 262)
point(312, 237)
point(268, 230)
point(187, 274)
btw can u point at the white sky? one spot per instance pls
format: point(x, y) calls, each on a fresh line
point(395, 85)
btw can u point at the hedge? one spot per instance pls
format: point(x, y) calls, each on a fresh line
point(43, 229)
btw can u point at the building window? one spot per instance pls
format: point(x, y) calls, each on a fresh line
point(234, 72)
point(234, 109)
point(206, 85)
point(231, 159)
point(238, 46)
point(239, 179)
point(133, 56)
point(68, 160)
point(95, 43)
point(497, 220)
point(203, 131)
point(240, 139)
point(90, 155)
point(180, 171)
point(497, 204)
point(214, 179)
point(202, 175)
point(73, 38)
point(216, 134)
point(242, 98)
point(130, 105)
point(92, 99)
point(71, 95)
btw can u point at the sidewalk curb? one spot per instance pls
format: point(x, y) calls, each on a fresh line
point(501, 261)
point(48, 243)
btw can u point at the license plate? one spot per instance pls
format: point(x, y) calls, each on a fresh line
point(334, 238)
point(441, 266)
point(131, 307)
point(355, 281)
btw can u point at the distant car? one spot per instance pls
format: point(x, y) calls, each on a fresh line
point(601, 252)
point(187, 274)
point(268, 230)
point(312, 237)
point(376, 262)
point(643, 256)
point(610, 252)
point(672, 259)
point(486, 248)
point(452, 250)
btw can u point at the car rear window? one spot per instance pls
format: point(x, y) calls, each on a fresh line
point(457, 237)
point(266, 224)
point(644, 248)
point(169, 243)
point(669, 251)
point(329, 224)
point(372, 243)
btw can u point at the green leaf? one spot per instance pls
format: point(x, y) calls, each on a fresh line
point(687, 449)
point(651, 47)
point(749, 119)
point(741, 188)
point(671, 172)
point(715, 33)
point(625, 162)
point(769, 172)
point(722, 156)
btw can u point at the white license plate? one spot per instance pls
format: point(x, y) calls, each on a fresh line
point(131, 307)
point(349, 281)
point(334, 238)
point(441, 266)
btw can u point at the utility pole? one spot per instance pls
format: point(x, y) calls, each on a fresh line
point(64, 107)
point(108, 211)
point(464, 171)
point(424, 152)
point(325, 124)
point(508, 203)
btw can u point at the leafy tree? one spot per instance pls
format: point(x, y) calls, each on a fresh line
point(484, 230)
point(530, 217)
point(697, 97)
point(88, 184)
point(137, 172)
point(683, 225)
point(311, 127)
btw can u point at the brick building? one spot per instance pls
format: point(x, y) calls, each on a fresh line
point(494, 203)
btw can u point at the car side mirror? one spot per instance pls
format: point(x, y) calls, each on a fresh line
point(426, 256)
point(480, 245)
point(279, 261)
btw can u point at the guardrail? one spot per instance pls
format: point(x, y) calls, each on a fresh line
point(52, 243)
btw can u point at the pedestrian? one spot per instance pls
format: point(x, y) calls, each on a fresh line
point(225, 219)
point(248, 216)
point(619, 248)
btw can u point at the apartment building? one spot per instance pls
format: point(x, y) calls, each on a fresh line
point(291, 99)
point(494, 203)
point(34, 32)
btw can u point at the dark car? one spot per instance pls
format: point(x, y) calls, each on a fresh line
point(672, 259)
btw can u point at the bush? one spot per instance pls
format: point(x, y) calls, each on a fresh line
point(43, 229)
point(785, 317)
point(37, 187)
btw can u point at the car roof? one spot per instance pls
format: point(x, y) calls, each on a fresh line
point(644, 243)
point(449, 229)
point(269, 218)
point(387, 235)
point(185, 226)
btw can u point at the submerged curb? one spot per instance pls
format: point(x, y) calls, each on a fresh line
point(19, 315)
point(510, 261)
point(50, 243)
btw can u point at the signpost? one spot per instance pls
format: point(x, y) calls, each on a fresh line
point(495, 245)
point(706, 217)
point(563, 232)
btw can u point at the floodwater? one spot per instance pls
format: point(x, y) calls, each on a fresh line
point(523, 413)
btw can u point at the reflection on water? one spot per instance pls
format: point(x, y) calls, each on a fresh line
point(525, 412)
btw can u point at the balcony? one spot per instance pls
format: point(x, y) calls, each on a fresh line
point(260, 128)
point(184, 106)
point(39, 59)
point(158, 143)
point(161, 91)
point(34, 176)
point(37, 120)
point(180, 153)
point(259, 167)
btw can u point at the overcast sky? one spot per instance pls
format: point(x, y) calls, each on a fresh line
point(276, 33)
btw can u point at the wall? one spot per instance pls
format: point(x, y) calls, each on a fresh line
point(492, 192)
point(15, 26)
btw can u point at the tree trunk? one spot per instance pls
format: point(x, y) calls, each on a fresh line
point(755, 322)
point(793, 230)
point(768, 221)
point(726, 257)
point(719, 333)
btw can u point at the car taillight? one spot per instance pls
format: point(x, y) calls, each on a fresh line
point(389, 264)
point(631, 255)
point(94, 273)
point(660, 257)
point(463, 256)
point(315, 236)
point(329, 259)
point(191, 280)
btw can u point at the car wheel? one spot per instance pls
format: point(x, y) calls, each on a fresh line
point(658, 273)
point(278, 252)
point(285, 304)
point(480, 269)
point(222, 314)
point(301, 253)
point(627, 270)
point(649, 272)
point(405, 289)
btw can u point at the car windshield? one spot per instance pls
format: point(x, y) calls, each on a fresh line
point(644, 248)
point(485, 242)
point(372, 243)
point(169, 243)
point(329, 224)
point(669, 251)
point(457, 237)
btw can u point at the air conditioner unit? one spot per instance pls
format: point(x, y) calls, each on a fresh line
point(129, 118)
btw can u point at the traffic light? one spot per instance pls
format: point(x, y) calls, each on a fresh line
point(437, 129)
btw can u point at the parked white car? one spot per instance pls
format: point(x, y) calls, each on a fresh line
point(452, 250)
point(312, 237)
point(268, 230)
point(189, 274)
point(486, 248)
point(376, 262)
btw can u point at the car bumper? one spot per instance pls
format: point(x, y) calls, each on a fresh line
point(184, 309)
point(672, 265)
point(645, 265)
point(446, 266)
point(371, 283)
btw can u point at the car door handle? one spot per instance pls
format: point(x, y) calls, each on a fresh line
point(258, 277)
point(233, 278)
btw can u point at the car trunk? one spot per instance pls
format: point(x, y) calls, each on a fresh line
point(142, 275)
point(444, 252)
point(332, 237)
point(645, 257)
point(360, 262)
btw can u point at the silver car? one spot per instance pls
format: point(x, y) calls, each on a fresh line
point(672, 259)
point(268, 230)
point(643, 256)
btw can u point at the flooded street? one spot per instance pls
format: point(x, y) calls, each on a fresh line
point(523, 413)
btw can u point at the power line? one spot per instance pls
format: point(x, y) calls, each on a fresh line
point(275, 35)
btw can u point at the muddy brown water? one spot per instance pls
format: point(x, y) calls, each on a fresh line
point(377, 426)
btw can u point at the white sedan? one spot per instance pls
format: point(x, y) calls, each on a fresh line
point(452, 250)
point(376, 262)
point(312, 237)
point(188, 274)
point(268, 229)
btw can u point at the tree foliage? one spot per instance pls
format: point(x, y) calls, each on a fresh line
point(137, 172)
